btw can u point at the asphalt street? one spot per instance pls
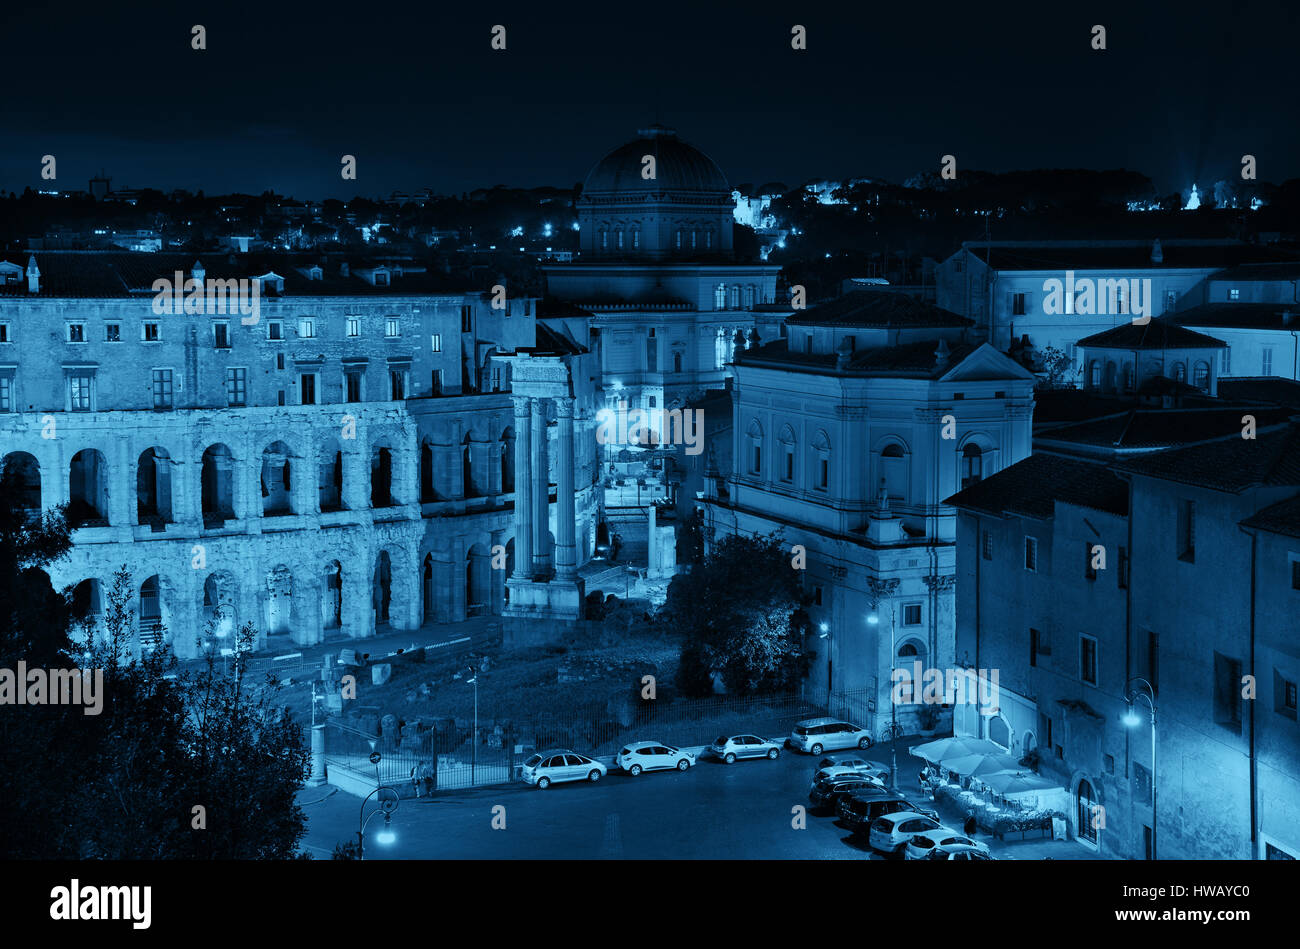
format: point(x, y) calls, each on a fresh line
point(739, 811)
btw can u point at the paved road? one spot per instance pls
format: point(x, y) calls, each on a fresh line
point(712, 811)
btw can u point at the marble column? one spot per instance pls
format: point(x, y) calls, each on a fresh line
point(566, 552)
point(523, 490)
point(541, 493)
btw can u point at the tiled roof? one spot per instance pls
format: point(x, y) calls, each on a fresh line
point(1280, 518)
point(1261, 389)
point(552, 342)
point(1056, 406)
point(1245, 315)
point(1126, 256)
point(916, 360)
point(1230, 464)
point(1154, 334)
point(1161, 428)
point(1250, 273)
point(120, 274)
point(1032, 487)
point(878, 308)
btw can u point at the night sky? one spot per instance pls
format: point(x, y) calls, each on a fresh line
point(415, 92)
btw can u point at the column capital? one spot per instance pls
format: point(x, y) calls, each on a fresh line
point(564, 406)
point(521, 405)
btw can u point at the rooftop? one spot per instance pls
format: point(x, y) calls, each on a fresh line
point(1154, 334)
point(880, 309)
point(1230, 464)
point(917, 359)
point(1245, 315)
point(1122, 255)
point(1280, 518)
point(1150, 429)
point(1032, 487)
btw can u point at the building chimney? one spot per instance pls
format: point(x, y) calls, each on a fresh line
point(1157, 252)
point(33, 275)
point(197, 272)
point(941, 354)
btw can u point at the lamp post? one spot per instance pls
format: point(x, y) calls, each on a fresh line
point(387, 804)
point(473, 751)
point(1132, 720)
point(824, 632)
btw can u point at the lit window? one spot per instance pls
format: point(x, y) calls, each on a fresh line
point(435, 342)
point(236, 387)
point(912, 614)
point(306, 328)
point(391, 327)
point(162, 388)
point(76, 332)
point(354, 326)
point(1031, 554)
point(1234, 294)
point(81, 388)
point(152, 332)
point(221, 335)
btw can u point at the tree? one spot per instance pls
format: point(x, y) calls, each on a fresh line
point(740, 613)
point(1061, 373)
point(176, 764)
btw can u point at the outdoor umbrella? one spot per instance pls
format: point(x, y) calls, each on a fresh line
point(979, 764)
point(1016, 782)
point(935, 751)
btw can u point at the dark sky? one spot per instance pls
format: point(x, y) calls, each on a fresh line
point(416, 94)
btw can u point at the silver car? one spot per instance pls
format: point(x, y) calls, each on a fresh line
point(729, 748)
point(560, 764)
point(652, 756)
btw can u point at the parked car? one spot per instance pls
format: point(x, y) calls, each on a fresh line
point(920, 846)
point(652, 756)
point(858, 810)
point(826, 734)
point(891, 832)
point(560, 764)
point(728, 749)
point(871, 769)
point(825, 795)
point(851, 760)
point(959, 852)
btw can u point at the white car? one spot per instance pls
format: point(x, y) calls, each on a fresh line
point(869, 769)
point(922, 845)
point(826, 734)
point(560, 764)
point(729, 748)
point(960, 852)
point(651, 756)
point(891, 832)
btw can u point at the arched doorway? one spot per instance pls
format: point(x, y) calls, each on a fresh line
point(1087, 813)
point(426, 473)
point(217, 486)
point(332, 607)
point(150, 627)
point(276, 499)
point(1000, 731)
point(279, 601)
point(218, 606)
point(153, 488)
point(382, 588)
point(427, 587)
point(88, 489)
point(20, 478)
point(381, 478)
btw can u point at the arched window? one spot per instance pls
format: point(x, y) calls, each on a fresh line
point(893, 469)
point(720, 297)
point(821, 448)
point(1087, 823)
point(619, 232)
point(755, 432)
point(604, 239)
point(787, 454)
point(1128, 377)
point(972, 464)
point(1094, 374)
point(1201, 375)
point(1180, 372)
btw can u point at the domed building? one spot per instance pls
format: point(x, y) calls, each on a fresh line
point(656, 198)
point(658, 274)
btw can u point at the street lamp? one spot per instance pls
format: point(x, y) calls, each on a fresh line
point(473, 752)
point(1132, 719)
point(388, 801)
point(823, 632)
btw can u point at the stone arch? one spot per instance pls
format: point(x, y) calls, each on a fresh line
point(1094, 374)
point(1028, 742)
point(381, 476)
point(1201, 374)
point(330, 468)
point(478, 581)
point(217, 485)
point(381, 595)
point(88, 489)
point(153, 488)
point(87, 601)
point(894, 467)
point(277, 480)
point(332, 596)
point(1087, 797)
point(999, 731)
point(428, 589)
point(20, 478)
point(153, 613)
point(279, 601)
point(219, 601)
point(1180, 371)
point(1110, 383)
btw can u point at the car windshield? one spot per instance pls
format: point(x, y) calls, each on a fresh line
point(800, 730)
point(721, 740)
point(532, 762)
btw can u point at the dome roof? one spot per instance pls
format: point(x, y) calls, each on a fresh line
point(678, 166)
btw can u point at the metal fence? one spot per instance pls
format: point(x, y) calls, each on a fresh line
point(450, 754)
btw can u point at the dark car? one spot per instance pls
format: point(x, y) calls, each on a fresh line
point(858, 809)
point(826, 793)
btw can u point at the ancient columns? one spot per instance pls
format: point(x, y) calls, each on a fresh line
point(566, 552)
point(541, 493)
point(523, 490)
point(534, 559)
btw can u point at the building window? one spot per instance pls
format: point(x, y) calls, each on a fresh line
point(720, 297)
point(306, 328)
point(1088, 659)
point(677, 362)
point(1284, 690)
point(986, 544)
point(1234, 294)
point(757, 458)
point(352, 385)
point(1031, 554)
point(4, 333)
point(162, 389)
point(1035, 646)
point(604, 240)
point(1187, 531)
point(397, 384)
point(391, 327)
point(1017, 304)
point(275, 330)
point(435, 343)
point(1152, 665)
point(353, 326)
point(1227, 692)
point(435, 382)
point(1121, 568)
point(112, 332)
point(81, 391)
point(6, 393)
point(307, 388)
point(824, 473)
point(1201, 375)
point(1225, 361)
point(152, 332)
point(236, 387)
point(619, 232)
point(221, 335)
point(1267, 361)
point(679, 239)
point(972, 465)
point(636, 238)
point(912, 614)
point(467, 319)
point(76, 332)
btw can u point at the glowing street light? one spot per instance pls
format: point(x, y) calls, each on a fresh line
point(1132, 719)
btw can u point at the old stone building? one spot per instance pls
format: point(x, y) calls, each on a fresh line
point(328, 451)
